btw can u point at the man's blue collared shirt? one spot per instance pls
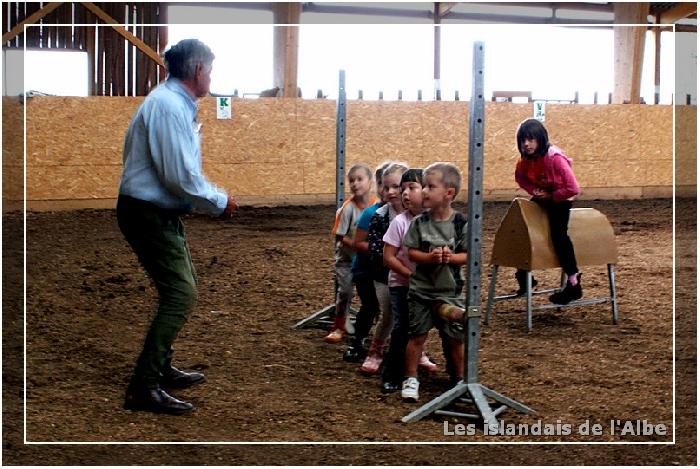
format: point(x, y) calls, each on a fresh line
point(162, 156)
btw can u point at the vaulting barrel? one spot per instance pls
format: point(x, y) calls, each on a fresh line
point(523, 241)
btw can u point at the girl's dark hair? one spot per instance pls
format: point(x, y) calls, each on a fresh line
point(412, 175)
point(533, 129)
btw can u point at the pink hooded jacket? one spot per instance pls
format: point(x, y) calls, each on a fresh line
point(551, 172)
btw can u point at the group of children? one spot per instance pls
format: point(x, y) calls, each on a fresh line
point(403, 253)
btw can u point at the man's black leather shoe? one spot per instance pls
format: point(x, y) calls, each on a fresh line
point(174, 378)
point(390, 386)
point(155, 400)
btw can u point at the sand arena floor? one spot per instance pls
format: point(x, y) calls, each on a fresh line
point(88, 304)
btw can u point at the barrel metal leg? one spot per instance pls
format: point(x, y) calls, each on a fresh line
point(492, 293)
point(528, 293)
point(613, 293)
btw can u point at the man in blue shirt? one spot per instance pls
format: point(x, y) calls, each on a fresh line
point(163, 179)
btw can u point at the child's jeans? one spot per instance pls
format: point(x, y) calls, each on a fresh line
point(368, 309)
point(395, 358)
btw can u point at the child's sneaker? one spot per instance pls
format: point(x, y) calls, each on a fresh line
point(409, 389)
point(335, 336)
point(371, 364)
point(427, 364)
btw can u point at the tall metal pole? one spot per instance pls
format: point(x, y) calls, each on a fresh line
point(475, 210)
point(340, 142)
point(469, 390)
point(324, 317)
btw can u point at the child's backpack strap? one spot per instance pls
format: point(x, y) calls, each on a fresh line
point(460, 221)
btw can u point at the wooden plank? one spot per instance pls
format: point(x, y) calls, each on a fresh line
point(163, 30)
point(31, 19)
point(13, 7)
point(79, 31)
point(89, 32)
point(107, 57)
point(119, 29)
point(148, 40)
point(162, 19)
point(50, 30)
point(63, 33)
point(99, 53)
point(129, 66)
point(6, 13)
point(118, 70)
point(141, 61)
point(678, 12)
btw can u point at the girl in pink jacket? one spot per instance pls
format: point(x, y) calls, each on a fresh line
point(546, 174)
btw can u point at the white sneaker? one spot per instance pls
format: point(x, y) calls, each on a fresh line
point(409, 389)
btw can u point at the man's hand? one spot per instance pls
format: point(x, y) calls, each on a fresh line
point(231, 207)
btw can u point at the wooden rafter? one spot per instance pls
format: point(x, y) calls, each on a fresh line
point(680, 11)
point(145, 48)
point(31, 19)
point(445, 7)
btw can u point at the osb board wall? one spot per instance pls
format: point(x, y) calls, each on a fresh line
point(277, 148)
point(686, 145)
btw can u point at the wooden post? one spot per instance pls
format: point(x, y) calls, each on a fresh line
point(657, 61)
point(286, 47)
point(629, 50)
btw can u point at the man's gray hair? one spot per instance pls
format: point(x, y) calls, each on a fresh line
point(182, 58)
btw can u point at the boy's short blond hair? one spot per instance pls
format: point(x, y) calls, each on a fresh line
point(449, 175)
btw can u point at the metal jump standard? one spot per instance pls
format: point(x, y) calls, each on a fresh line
point(324, 317)
point(470, 392)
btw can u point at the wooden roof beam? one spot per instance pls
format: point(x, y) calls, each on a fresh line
point(444, 8)
point(680, 11)
point(145, 48)
point(31, 19)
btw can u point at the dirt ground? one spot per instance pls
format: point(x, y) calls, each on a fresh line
point(88, 305)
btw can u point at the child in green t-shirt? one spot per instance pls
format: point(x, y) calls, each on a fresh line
point(436, 243)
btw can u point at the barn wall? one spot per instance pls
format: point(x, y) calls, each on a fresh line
point(283, 150)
